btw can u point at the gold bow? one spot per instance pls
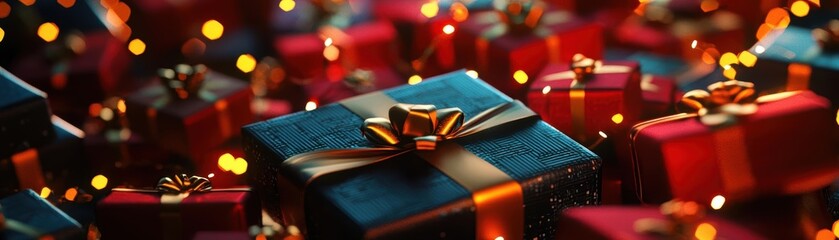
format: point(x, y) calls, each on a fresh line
point(184, 81)
point(583, 68)
point(828, 36)
point(722, 103)
point(521, 15)
point(181, 183)
point(682, 219)
point(422, 125)
point(360, 80)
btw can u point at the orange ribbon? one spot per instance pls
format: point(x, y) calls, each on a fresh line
point(423, 130)
point(28, 169)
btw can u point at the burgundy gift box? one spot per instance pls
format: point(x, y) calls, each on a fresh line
point(325, 91)
point(786, 146)
point(486, 44)
point(721, 31)
point(146, 215)
point(194, 125)
point(165, 25)
point(366, 45)
point(621, 223)
point(659, 94)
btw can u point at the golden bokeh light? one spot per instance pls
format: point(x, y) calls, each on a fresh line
point(331, 53)
point(2, 34)
point(728, 58)
point(45, 192)
point(617, 118)
point(759, 49)
point(327, 42)
point(459, 12)
point(717, 202)
point(709, 56)
point(246, 63)
point(108, 3)
point(225, 162)
point(99, 182)
point(800, 8)
point(122, 11)
point(836, 228)
point(287, 5)
point(240, 166)
point(546, 90)
point(777, 18)
point(705, 231)
point(448, 29)
point(70, 194)
point(311, 105)
point(5, 9)
point(825, 234)
point(66, 3)
point(729, 72)
point(762, 31)
point(430, 9)
point(837, 117)
point(520, 77)
point(106, 114)
point(137, 46)
point(27, 2)
point(472, 73)
point(709, 5)
point(413, 80)
point(48, 31)
point(121, 106)
point(747, 59)
point(212, 29)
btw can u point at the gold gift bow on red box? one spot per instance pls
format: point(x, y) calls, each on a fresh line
point(173, 190)
point(582, 70)
point(718, 108)
point(424, 130)
point(187, 82)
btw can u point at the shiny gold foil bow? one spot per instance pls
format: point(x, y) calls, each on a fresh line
point(521, 15)
point(360, 80)
point(181, 183)
point(183, 81)
point(682, 219)
point(722, 103)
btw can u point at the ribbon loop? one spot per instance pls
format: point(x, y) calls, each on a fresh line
point(413, 125)
point(583, 67)
point(183, 81)
point(181, 183)
point(521, 16)
point(731, 97)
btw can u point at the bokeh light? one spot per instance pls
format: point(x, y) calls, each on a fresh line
point(225, 162)
point(45, 192)
point(717, 202)
point(430, 9)
point(212, 29)
point(66, 3)
point(825, 234)
point(5, 9)
point(99, 182)
point(705, 231)
point(413, 80)
point(459, 12)
point(48, 31)
point(70, 194)
point(546, 89)
point(747, 59)
point(520, 77)
point(311, 105)
point(472, 73)
point(27, 2)
point(240, 166)
point(246, 63)
point(287, 5)
point(800, 8)
point(137, 46)
point(617, 118)
point(448, 29)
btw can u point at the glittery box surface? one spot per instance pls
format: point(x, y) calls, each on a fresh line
point(24, 116)
point(553, 170)
point(192, 126)
point(793, 56)
point(31, 210)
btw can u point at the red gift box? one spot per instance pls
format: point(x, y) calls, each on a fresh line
point(696, 158)
point(486, 44)
point(622, 223)
point(367, 45)
point(329, 91)
point(659, 94)
point(583, 108)
point(148, 214)
point(165, 25)
point(194, 125)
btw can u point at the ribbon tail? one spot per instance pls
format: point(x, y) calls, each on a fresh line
point(605, 69)
point(312, 165)
point(565, 75)
point(496, 116)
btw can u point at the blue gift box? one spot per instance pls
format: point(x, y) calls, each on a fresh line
point(28, 216)
point(791, 59)
point(24, 116)
point(406, 197)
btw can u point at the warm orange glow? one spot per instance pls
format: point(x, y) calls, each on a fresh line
point(413, 80)
point(66, 3)
point(546, 89)
point(800, 8)
point(121, 106)
point(70, 194)
point(472, 73)
point(617, 118)
point(825, 234)
point(2, 34)
point(836, 228)
point(122, 11)
point(717, 202)
point(747, 58)
point(705, 231)
point(287, 5)
point(225, 162)
point(331, 53)
point(520, 77)
point(430, 9)
point(459, 12)
point(45, 192)
point(94, 109)
point(311, 105)
point(246, 63)
point(48, 31)
point(762, 31)
point(108, 3)
point(709, 5)
point(837, 117)
point(212, 29)
point(729, 72)
point(137, 46)
point(709, 56)
point(777, 18)
point(499, 238)
point(193, 47)
point(5, 9)
point(99, 182)
point(240, 166)
point(27, 2)
point(448, 29)
point(728, 59)
point(106, 114)
point(798, 76)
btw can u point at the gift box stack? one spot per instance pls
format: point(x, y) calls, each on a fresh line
point(419, 119)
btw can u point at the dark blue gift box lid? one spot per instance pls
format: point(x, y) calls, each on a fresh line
point(33, 211)
point(795, 44)
point(24, 115)
point(554, 171)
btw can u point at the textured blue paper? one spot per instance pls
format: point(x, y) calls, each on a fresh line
point(32, 210)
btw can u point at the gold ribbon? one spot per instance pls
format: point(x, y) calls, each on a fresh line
point(499, 25)
point(718, 108)
point(798, 77)
point(173, 190)
point(28, 169)
point(184, 81)
point(423, 130)
point(582, 70)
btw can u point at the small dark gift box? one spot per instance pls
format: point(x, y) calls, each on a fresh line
point(24, 116)
point(28, 216)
